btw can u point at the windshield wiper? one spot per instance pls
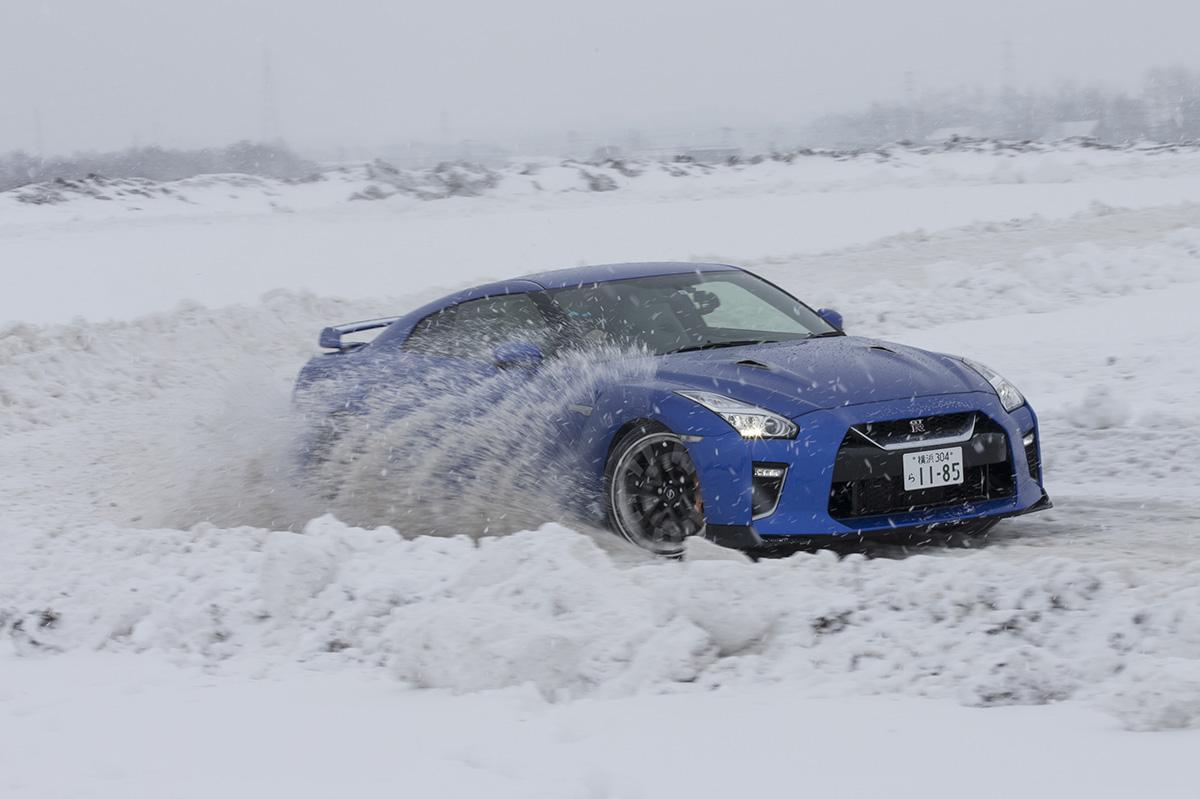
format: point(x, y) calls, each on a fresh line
point(828, 334)
point(716, 345)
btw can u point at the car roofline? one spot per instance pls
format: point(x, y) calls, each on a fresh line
point(549, 281)
point(608, 273)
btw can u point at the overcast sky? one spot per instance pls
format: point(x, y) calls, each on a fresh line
point(108, 73)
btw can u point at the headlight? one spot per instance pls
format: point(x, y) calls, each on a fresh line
point(1010, 398)
point(749, 420)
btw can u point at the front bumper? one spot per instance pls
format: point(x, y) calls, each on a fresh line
point(725, 465)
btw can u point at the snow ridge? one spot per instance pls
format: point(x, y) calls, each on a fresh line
point(961, 161)
point(552, 608)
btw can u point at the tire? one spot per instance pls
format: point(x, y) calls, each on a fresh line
point(652, 490)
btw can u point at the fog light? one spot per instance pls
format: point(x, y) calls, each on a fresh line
point(1027, 440)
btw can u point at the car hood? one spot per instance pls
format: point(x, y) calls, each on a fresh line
point(796, 377)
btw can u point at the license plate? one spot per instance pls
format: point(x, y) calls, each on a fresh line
point(933, 468)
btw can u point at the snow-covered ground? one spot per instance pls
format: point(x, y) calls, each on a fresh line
point(129, 255)
point(162, 633)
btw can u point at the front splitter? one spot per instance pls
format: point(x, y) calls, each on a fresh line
point(745, 538)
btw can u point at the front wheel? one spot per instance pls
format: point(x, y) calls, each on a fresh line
point(653, 491)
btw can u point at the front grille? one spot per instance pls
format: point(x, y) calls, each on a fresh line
point(868, 480)
point(900, 433)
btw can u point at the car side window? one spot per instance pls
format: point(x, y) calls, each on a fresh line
point(472, 330)
point(434, 335)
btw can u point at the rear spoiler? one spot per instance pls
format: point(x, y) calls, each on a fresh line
point(331, 337)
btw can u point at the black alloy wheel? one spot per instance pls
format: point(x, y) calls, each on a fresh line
point(653, 491)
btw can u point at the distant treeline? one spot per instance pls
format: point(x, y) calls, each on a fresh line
point(1166, 108)
point(156, 163)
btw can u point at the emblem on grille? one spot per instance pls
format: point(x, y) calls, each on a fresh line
point(917, 425)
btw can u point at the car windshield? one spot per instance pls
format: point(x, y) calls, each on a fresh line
point(693, 311)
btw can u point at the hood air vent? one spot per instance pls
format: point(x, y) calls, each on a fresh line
point(752, 362)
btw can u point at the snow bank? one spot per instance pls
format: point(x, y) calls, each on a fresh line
point(551, 608)
point(895, 166)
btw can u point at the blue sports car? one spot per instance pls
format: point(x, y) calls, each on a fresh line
point(752, 419)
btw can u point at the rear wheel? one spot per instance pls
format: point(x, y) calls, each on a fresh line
point(653, 490)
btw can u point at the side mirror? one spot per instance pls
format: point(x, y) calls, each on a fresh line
point(331, 339)
point(518, 355)
point(831, 316)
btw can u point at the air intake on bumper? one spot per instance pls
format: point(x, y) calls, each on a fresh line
point(768, 486)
